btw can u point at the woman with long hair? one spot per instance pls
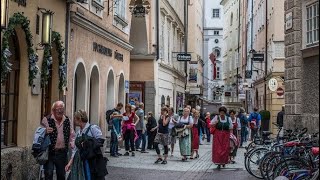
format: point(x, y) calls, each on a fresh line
point(163, 136)
point(221, 141)
point(151, 130)
point(195, 131)
point(129, 121)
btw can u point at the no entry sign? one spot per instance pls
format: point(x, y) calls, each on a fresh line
point(280, 91)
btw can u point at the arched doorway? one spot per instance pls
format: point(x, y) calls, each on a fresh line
point(121, 89)
point(94, 96)
point(79, 89)
point(10, 96)
point(110, 90)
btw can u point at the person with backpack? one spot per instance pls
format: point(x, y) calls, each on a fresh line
point(244, 125)
point(113, 118)
point(60, 131)
point(254, 123)
point(87, 161)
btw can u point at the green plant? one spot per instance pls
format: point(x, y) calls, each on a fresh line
point(265, 115)
point(18, 19)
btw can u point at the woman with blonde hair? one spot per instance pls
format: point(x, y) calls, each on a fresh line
point(185, 136)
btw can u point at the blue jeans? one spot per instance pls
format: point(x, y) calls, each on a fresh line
point(114, 144)
point(243, 135)
point(208, 134)
point(141, 136)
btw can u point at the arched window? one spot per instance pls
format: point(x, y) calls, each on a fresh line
point(163, 99)
point(168, 101)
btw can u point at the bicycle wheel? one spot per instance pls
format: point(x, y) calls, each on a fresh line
point(315, 175)
point(246, 159)
point(271, 165)
point(254, 162)
point(264, 163)
point(287, 165)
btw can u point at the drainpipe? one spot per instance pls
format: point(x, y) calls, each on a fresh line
point(238, 66)
point(266, 59)
point(186, 43)
point(157, 29)
point(67, 42)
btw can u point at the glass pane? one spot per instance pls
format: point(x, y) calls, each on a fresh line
point(308, 38)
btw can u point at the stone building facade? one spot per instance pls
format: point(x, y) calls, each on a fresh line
point(25, 102)
point(302, 64)
point(99, 58)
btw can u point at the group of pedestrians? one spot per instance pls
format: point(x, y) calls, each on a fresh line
point(227, 130)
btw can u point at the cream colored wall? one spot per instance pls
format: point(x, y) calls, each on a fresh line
point(141, 70)
point(29, 114)
point(105, 64)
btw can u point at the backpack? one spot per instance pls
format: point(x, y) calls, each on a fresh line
point(253, 123)
point(108, 114)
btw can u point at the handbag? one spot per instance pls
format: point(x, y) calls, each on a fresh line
point(43, 157)
point(212, 130)
point(183, 132)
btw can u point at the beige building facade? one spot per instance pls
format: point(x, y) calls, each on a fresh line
point(99, 58)
point(274, 55)
point(26, 96)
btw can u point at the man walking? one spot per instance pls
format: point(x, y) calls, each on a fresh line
point(280, 117)
point(244, 125)
point(61, 133)
point(141, 129)
point(255, 122)
point(115, 122)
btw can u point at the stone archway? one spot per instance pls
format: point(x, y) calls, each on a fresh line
point(94, 96)
point(110, 90)
point(79, 88)
point(121, 89)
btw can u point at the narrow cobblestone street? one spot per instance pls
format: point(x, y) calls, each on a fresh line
point(142, 167)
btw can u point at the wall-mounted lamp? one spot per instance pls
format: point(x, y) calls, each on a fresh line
point(47, 17)
point(4, 14)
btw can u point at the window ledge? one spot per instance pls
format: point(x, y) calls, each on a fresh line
point(97, 4)
point(120, 20)
point(310, 51)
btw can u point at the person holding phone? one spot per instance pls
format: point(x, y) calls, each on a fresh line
point(129, 121)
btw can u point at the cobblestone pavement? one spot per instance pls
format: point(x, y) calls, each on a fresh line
point(142, 167)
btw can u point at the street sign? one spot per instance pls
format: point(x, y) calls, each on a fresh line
point(126, 86)
point(248, 74)
point(227, 93)
point(288, 20)
point(184, 57)
point(242, 96)
point(258, 57)
point(280, 92)
point(195, 91)
point(273, 84)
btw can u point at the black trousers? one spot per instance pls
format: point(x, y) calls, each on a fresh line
point(58, 159)
point(166, 149)
point(151, 137)
point(129, 138)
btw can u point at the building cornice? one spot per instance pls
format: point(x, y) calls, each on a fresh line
point(143, 57)
point(85, 23)
point(175, 71)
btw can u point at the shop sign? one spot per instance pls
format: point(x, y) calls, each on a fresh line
point(126, 86)
point(183, 57)
point(21, 2)
point(101, 49)
point(242, 96)
point(273, 84)
point(227, 93)
point(288, 20)
point(195, 91)
point(118, 56)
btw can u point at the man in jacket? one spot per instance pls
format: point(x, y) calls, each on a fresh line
point(280, 117)
point(141, 129)
point(61, 133)
point(244, 125)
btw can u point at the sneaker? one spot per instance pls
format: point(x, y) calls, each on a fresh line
point(164, 162)
point(126, 154)
point(132, 154)
point(158, 160)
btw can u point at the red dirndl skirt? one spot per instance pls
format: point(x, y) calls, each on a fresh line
point(221, 147)
point(195, 138)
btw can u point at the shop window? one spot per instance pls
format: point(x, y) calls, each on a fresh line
point(163, 99)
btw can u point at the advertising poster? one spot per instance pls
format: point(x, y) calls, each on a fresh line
point(193, 72)
point(133, 97)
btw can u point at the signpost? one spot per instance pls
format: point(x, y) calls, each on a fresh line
point(183, 57)
point(258, 57)
point(273, 84)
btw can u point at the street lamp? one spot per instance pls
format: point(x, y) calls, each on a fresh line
point(47, 17)
point(4, 14)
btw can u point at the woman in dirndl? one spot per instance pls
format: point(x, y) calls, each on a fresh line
point(235, 137)
point(163, 136)
point(221, 142)
point(185, 141)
